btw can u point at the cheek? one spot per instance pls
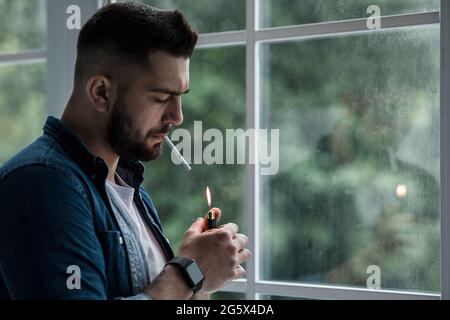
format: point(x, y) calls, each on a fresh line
point(140, 126)
point(150, 116)
point(142, 110)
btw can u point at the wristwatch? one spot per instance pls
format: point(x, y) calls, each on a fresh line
point(191, 272)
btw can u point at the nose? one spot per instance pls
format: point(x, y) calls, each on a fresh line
point(174, 113)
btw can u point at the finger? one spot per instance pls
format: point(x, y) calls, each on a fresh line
point(217, 213)
point(241, 241)
point(244, 255)
point(197, 227)
point(232, 228)
point(240, 273)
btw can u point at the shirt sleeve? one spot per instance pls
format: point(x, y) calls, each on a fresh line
point(47, 237)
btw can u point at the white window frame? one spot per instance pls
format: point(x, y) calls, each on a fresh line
point(252, 37)
point(60, 57)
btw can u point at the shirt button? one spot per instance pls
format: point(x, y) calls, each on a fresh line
point(120, 240)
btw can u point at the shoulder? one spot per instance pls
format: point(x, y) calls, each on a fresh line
point(49, 190)
point(41, 163)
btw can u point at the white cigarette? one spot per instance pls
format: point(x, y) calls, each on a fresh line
point(177, 153)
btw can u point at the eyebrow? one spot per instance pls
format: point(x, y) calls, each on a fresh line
point(168, 91)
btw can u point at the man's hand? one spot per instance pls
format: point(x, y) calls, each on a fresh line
point(219, 252)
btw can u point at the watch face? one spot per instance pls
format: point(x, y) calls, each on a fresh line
point(195, 273)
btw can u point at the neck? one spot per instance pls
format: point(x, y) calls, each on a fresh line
point(87, 127)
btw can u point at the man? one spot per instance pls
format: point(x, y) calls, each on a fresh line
point(71, 202)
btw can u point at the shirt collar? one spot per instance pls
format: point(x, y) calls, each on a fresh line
point(132, 172)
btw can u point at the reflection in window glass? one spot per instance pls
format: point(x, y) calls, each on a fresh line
point(217, 98)
point(207, 15)
point(22, 106)
point(276, 13)
point(358, 184)
point(27, 28)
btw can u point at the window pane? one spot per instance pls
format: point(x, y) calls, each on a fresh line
point(207, 15)
point(276, 13)
point(22, 25)
point(216, 97)
point(358, 185)
point(22, 106)
point(222, 295)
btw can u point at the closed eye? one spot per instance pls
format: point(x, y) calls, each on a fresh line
point(163, 100)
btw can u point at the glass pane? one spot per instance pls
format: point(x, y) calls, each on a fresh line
point(22, 106)
point(217, 99)
point(276, 13)
point(357, 193)
point(22, 25)
point(207, 15)
point(228, 296)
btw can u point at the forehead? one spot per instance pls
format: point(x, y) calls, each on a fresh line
point(166, 71)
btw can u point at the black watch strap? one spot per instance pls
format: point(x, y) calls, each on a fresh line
point(191, 272)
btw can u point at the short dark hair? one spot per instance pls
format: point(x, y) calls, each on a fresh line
point(123, 34)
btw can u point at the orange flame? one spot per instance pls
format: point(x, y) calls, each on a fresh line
point(208, 197)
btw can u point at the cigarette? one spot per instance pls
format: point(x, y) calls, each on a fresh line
point(212, 221)
point(177, 153)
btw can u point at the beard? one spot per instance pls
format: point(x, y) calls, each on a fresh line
point(125, 139)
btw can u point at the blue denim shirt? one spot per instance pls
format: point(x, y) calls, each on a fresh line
point(55, 213)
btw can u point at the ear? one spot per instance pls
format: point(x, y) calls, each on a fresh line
point(100, 93)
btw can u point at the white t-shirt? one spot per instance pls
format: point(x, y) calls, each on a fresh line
point(152, 249)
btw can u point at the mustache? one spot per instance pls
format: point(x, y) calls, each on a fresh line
point(163, 130)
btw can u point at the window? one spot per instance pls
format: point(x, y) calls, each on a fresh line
point(28, 29)
point(358, 190)
point(22, 70)
point(277, 13)
point(21, 115)
point(358, 184)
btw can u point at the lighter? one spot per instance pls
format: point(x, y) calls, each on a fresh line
point(211, 218)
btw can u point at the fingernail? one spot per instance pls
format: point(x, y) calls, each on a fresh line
point(199, 219)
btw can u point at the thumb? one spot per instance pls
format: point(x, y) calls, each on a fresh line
point(197, 226)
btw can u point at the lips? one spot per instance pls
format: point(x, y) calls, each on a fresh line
point(158, 136)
